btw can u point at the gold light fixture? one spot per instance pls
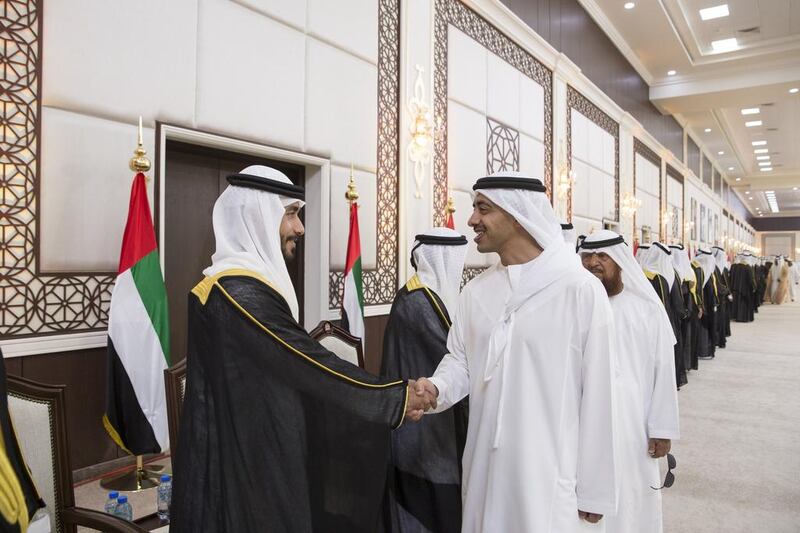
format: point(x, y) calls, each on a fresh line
point(630, 204)
point(566, 176)
point(419, 149)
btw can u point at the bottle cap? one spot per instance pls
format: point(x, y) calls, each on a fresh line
point(122, 499)
point(113, 495)
point(165, 477)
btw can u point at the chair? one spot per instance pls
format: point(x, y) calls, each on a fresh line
point(175, 384)
point(39, 417)
point(340, 342)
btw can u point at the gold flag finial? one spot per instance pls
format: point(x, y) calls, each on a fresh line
point(351, 194)
point(140, 162)
point(451, 205)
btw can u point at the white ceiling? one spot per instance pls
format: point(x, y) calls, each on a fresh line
point(710, 87)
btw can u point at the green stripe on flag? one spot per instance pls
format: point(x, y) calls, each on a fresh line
point(359, 284)
point(150, 285)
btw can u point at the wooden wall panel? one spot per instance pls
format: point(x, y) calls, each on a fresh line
point(569, 29)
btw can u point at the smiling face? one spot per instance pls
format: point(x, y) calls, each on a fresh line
point(494, 227)
point(605, 269)
point(291, 231)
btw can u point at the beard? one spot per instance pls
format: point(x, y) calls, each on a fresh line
point(289, 247)
point(612, 284)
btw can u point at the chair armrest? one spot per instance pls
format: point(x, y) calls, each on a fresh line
point(98, 521)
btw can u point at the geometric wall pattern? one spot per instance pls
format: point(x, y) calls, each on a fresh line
point(380, 285)
point(31, 302)
point(502, 147)
point(455, 13)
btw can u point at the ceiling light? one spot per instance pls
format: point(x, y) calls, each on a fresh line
point(715, 12)
point(762, 157)
point(761, 150)
point(725, 45)
point(720, 153)
point(761, 215)
point(738, 179)
point(707, 130)
point(751, 111)
point(764, 163)
point(730, 168)
point(671, 72)
point(752, 123)
point(759, 143)
point(794, 90)
point(794, 188)
point(772, 201)
point(629, 5)
point(766, 169)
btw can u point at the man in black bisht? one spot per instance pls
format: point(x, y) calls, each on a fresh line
point(722, 272)
point(424, 488)
point(744, 288)
point(277, 433)
point(707, 341)
point(688, 280)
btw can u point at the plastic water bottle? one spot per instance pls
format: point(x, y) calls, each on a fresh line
point(164, 497)
point(124, 509)
point(111, 503)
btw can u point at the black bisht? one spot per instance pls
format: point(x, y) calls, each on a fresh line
point(424, 488)
point(277, 433)
point(672, 300)
point(16, 485)
point(744, 290)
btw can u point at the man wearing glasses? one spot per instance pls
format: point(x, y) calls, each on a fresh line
point(647, 401)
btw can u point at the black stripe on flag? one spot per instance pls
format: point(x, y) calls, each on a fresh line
point(133, 432)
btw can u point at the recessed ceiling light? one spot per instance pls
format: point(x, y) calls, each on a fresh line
point(715, 12)
point(720, 153)
point(753, 123)
point(759, 143)
point(738, 179)
point(671, 72)
point(761, 215)
point(730, 168)
point(761, 151)
point(629, 5)
point(707, 130)
point(751, 111)
point(794, 90)
point(725, 45)
point(762, 157)
point(764, 163)
point(766, 169)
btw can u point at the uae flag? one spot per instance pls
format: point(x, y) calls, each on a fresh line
point(450, 222)
point(138, 337)
point(353, 297)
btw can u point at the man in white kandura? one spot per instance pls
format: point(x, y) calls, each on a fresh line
point(531, 344)
point(647, 400)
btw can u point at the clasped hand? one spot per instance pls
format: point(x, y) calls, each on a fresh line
point(422, 396)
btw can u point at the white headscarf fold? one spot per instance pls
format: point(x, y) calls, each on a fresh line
point(680, 260)
point(247, 233)
point(720, 257)
point(659, 260)
point(440, 267)
point(641, 253)
point(569, 234)
point(633, 279)
point(707, 262)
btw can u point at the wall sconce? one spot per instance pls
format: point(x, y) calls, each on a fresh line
point(630, 204)
point(566, 176)
point(419, 149)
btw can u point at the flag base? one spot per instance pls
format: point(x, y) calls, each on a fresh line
point(138, 479)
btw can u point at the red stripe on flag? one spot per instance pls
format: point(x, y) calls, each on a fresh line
point(139, 238)
point(353, 240)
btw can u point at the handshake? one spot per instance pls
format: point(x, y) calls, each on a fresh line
point(422, 396)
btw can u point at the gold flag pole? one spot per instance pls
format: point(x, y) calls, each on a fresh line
point(140, 478)
point(351, 194)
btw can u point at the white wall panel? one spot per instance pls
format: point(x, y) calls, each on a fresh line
point(466, 70)
point(292, 13)
point(341, 106)
point(121, 59)
point(466, 146)
point(351, 24)
point(531, 156)
point(340, 217)
point(502, 92)
point(84, 206)
point(251, 86)
point(531, 108)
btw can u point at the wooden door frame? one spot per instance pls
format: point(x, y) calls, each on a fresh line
point(317, 211)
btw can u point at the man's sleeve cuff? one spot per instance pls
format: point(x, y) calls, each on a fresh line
point(441, 386)
point(656, 433)
point(597, 507)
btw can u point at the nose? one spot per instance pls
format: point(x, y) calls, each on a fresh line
point(299, 229)
point(474, 220)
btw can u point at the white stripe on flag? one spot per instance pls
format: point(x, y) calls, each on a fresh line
point(352, 307)
point(139, 350)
